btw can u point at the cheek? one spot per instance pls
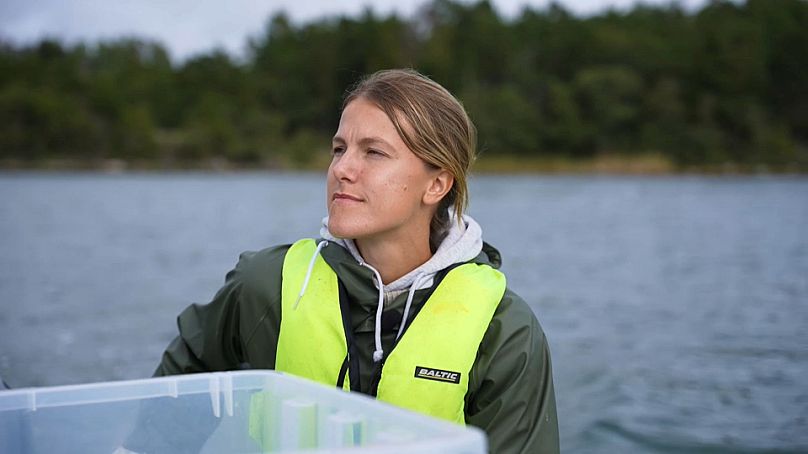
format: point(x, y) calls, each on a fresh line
point(330, 173)
point(402, 191)
point(329, 187)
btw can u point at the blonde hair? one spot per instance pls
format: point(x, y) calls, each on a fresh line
point(433, 124)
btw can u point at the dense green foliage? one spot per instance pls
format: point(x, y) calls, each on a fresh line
point(725, 84)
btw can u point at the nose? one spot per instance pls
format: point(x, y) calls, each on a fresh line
point(345, 166)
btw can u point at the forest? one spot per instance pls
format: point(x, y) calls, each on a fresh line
point(721, 87)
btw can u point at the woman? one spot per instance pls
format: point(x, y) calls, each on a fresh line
point(400, 299)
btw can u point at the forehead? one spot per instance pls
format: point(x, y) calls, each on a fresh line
point(363, 117)
point(365, 108)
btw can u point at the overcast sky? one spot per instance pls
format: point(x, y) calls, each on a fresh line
point(188, 27)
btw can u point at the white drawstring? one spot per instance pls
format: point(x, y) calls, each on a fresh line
point(378, 354)
point(415, 284)
point(320, 246)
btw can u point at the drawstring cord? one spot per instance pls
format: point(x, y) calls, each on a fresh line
point(415, 284)
point(378, 354)
point(320, 246)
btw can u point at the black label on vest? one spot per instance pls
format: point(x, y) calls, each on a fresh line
point(437, 374)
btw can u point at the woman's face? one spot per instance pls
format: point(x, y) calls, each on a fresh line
point(377, 188)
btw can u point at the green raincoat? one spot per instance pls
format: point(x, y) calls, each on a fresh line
point(510, 394)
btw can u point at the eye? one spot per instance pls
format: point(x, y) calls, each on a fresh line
point(338, 150)
point(375, 152)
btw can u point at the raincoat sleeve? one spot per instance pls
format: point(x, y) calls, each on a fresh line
point(512, 396)
point(239, 328)
point(207, 340)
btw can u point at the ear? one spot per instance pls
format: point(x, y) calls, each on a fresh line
point(440, 185)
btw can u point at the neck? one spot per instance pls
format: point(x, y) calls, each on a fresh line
point(394, 259)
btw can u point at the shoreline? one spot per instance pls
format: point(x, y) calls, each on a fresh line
point(607, 164)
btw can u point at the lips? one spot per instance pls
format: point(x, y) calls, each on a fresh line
point(346, 197)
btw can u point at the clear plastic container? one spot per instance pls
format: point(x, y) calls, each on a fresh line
point(226, 412)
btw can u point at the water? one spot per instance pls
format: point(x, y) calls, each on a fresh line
point(676, 308)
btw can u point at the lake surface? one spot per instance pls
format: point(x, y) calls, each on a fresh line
point(676, 308)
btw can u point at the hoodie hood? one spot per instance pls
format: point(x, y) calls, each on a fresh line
point(463, 242)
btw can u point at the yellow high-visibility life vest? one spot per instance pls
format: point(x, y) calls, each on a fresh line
point(428, 369)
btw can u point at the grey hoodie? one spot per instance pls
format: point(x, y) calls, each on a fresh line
point(462, 243)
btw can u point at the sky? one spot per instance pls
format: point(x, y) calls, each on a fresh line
point(189, 27)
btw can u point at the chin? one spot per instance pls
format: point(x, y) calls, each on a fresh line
point(340, 229)
point(347, 227)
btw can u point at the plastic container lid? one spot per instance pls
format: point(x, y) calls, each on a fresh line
point(223, 412)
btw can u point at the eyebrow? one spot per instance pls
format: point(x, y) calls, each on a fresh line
point(367, 141)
